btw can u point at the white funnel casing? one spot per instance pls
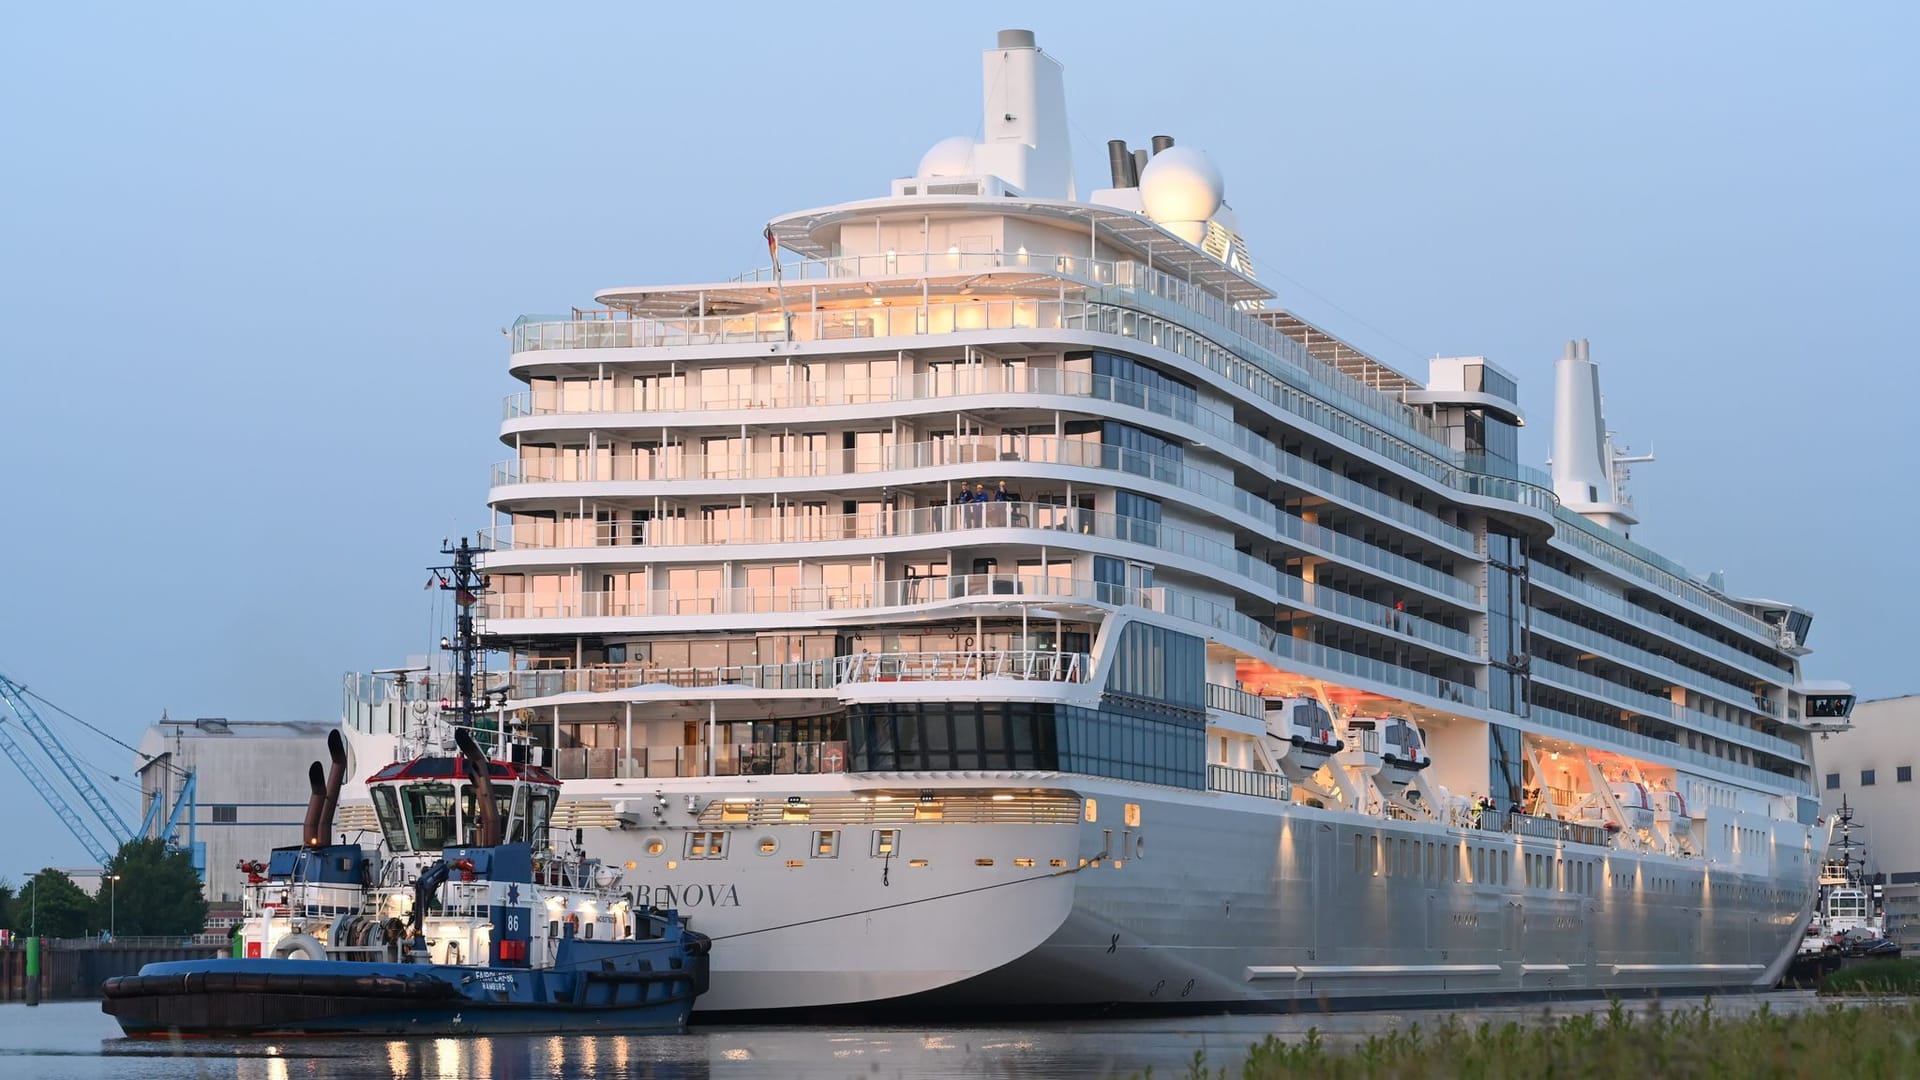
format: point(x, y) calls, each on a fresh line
point(1024, 119)
point(1583, 456)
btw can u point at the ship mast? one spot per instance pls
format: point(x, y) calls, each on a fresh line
point(465, 581)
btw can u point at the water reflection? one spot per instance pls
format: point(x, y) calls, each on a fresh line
point(67, 1041)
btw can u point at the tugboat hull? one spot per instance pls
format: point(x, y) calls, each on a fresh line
point(294, 997)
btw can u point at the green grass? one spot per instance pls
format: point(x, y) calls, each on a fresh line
point(1875, 977)
point(1879, 1041)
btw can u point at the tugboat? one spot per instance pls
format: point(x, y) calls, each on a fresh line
point(426, 935)
point(1844, 929)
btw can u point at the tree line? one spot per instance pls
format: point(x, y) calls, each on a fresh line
point(158, 893)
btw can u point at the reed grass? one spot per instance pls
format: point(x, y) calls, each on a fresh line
point(1874, 977)
point(1872, 1041)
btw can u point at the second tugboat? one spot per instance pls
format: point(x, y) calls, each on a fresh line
point(502, 933)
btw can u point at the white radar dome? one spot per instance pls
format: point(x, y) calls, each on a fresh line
point(949, 157)
point(1180, 184)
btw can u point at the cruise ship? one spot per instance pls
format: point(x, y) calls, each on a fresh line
point(1001, 601)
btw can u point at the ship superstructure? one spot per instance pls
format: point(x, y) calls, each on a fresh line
point(1002, 601)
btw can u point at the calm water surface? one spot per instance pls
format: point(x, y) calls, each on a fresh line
point(74, 1040)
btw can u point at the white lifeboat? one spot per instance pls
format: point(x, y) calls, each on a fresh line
point(1389, 747)
point(1402, 746)
point(1635, 804)
point(1300, 725)
point(1671, 808)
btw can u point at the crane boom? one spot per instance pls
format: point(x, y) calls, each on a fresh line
point(115, 828)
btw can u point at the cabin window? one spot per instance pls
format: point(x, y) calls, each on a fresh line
point(885, 843)
point(429, 813)
point(826, 844)
point(539, 811)
point(386, 806)
point(470, 816)
point(516, 831)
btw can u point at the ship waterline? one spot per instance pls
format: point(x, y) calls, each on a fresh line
point(1002, 602)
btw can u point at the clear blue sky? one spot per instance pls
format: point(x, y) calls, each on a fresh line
point(253, 266)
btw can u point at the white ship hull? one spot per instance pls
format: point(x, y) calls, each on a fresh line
point(1209, 902)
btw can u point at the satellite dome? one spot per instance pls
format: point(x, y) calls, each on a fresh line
point(951, 156)
point(1179, 184)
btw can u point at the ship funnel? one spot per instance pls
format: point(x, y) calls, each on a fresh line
point(1120, 163)
point(481, 774)
point(336, 776)
point(1161, 142)
point(1588, 473)
point(1140, 159)
point(1025, 139)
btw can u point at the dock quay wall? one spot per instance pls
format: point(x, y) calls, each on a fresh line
point(72, 970)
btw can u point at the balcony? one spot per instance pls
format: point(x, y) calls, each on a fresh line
point(1654, 705)
point(1621, 608)
point(941, 522)
point(729, 759)
point(1024, 665)
point(1234, 700)
point(1325, 398)
point(1247, 782)
point(600, 400)
point(904, 592)
point(1607, 736)
point(1579, 636)
point(674, 465)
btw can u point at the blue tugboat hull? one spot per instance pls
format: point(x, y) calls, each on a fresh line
point(236, 997)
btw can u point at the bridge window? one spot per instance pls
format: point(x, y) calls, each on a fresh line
point(429, 813)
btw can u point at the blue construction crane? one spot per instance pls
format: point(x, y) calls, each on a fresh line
point(111, 832)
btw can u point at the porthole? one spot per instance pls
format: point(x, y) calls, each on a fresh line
point(768, 845)
point(1139, 847)
point(655, 846)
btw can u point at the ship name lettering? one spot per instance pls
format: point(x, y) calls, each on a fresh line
point(686, 896)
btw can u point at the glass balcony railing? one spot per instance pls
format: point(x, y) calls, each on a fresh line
point(1620, 607)
point(1029, 665)
point(1654, 569)
point(1135, 301)
point(906, 592)
point(1215, 616)
point(1248, 782)
point(1220, 428)
point(1607, 736)
point(1734, 694)
point(939, 521)
point(1258, 515)
point(1663, 708)
point(1365, 425)
point(1235, 700)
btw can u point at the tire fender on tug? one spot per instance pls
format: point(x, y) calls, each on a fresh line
point(299, 947)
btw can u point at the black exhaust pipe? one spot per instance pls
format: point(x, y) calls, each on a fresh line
point(1161, 142)
point(1120, 162)
point(482, 777)
point(336, 776)
point(310, 833)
